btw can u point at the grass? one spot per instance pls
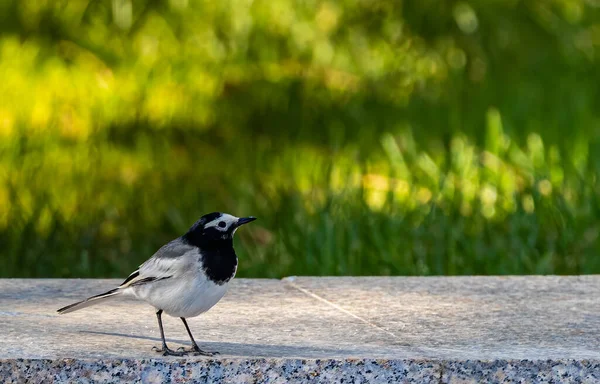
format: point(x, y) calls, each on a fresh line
point(502, 209)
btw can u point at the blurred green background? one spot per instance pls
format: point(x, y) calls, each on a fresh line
point(370, 137)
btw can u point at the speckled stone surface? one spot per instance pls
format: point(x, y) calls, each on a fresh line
point(224, 370)
point(380, 330)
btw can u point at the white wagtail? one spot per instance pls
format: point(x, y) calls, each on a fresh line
point(185, 277)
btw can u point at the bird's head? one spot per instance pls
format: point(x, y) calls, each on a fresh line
point(215, 228)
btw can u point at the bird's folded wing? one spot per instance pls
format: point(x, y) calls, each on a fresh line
point(171, 260)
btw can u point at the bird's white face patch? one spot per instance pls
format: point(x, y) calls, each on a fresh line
point(222, 223)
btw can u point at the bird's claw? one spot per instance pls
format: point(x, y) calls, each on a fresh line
point(198, 352)
point(181, 351)
point(169, 352)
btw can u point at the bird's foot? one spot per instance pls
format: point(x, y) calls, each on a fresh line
point(195, 350)
point(166, 351)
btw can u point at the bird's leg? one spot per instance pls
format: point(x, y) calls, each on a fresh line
point(195, 348)
point(165, 350)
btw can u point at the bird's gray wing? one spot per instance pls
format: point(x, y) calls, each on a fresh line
point(170, 260)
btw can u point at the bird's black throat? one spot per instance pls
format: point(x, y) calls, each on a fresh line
point(218, 257)
point(219, 264)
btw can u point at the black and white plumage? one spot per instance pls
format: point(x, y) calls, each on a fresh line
point(184, 278)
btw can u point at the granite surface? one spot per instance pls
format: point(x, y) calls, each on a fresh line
point(396, 329)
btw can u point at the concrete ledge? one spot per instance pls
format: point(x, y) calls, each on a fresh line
point(438, 330)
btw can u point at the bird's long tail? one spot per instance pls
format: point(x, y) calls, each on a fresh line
point(91, 301)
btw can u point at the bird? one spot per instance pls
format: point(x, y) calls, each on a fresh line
point(185, 277)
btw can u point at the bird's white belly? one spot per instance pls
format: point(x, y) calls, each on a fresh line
point(182, 297)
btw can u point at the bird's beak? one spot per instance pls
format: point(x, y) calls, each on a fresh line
point(244, 220)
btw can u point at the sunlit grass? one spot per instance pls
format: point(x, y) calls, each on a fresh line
point(401, 212)
point(80, 210)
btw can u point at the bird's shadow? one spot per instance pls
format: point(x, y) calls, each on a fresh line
point(247, 349)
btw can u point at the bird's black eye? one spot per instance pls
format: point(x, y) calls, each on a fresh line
point(222, 224)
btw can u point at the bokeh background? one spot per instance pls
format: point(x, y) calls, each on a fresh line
point(370, 137)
